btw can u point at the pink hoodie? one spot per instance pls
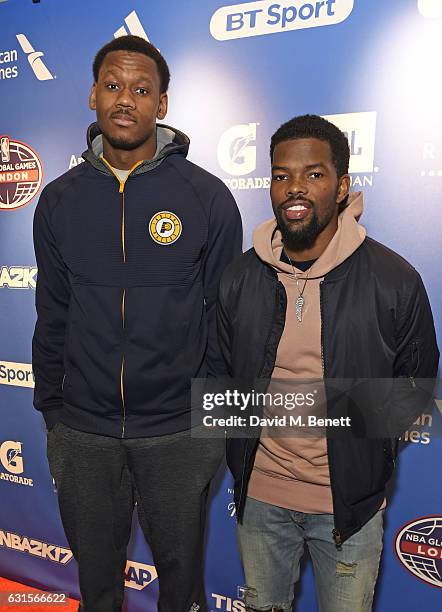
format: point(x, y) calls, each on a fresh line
point(293, 472)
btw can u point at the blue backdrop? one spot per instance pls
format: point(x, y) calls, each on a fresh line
point(238, 72)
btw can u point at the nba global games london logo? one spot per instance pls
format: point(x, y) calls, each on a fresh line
point(418, 546)
point(21, 173)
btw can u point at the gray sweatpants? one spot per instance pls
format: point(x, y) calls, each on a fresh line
point(99, 479)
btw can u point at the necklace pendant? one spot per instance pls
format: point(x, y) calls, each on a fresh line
point(298, 307)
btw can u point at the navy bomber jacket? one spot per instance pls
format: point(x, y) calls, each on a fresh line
point(128, 275)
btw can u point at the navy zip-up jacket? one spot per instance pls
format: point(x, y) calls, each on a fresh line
point(128, 274)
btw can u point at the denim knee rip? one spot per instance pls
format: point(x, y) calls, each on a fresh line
point(346, 569)
point(272, 609)
point(251, 593)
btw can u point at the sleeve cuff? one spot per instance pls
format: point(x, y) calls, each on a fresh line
point(52, 417)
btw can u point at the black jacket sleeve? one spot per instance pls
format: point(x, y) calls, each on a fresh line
point(417, 359)
point(224, 245)
point(417, 353)
point(52, 303)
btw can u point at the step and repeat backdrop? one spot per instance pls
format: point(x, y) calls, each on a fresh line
point(238, 72)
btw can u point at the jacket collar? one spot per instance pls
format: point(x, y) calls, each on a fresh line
point(337, 274)
point(169, 141)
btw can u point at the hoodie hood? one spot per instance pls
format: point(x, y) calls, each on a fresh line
point(169, 140)
point(349, 236)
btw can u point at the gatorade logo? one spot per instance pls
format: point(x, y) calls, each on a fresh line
point(10, 456)
point(236, 153)
point(11, 461)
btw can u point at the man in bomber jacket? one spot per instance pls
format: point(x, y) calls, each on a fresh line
point(316, 300)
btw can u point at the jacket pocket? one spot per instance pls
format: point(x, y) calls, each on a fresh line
point(391, 449)
point(67, 344)
point(414, 358)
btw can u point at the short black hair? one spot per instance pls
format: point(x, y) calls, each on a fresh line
point(314, 126)
point(136, 44)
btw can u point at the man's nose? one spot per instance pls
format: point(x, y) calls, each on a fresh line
point(126, 98)
point(296, 186)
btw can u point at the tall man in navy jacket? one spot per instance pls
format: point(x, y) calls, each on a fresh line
point(130, 247)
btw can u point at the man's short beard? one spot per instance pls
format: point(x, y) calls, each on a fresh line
point(303, 237)
point(123, 144)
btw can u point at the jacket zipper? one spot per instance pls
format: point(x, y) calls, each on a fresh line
point(335, 532)
point(123, 424)
point(259, 375)
point(270, 330)
point(322, 328)
point(414, 353)
point(123, 297)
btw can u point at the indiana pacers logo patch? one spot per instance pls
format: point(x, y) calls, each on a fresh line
point(165, 227)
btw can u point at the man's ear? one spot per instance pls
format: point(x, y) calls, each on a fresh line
point(162, 106)
point(343, 188)
point(93, 97)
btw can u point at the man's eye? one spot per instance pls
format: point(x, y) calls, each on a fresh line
point(142, 91)
point(279, 177)
point(316, 175)
point(112, 86)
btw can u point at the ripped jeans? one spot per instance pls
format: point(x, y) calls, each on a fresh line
point(271, 541)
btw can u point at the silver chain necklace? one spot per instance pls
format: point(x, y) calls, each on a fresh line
point(300, 300)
